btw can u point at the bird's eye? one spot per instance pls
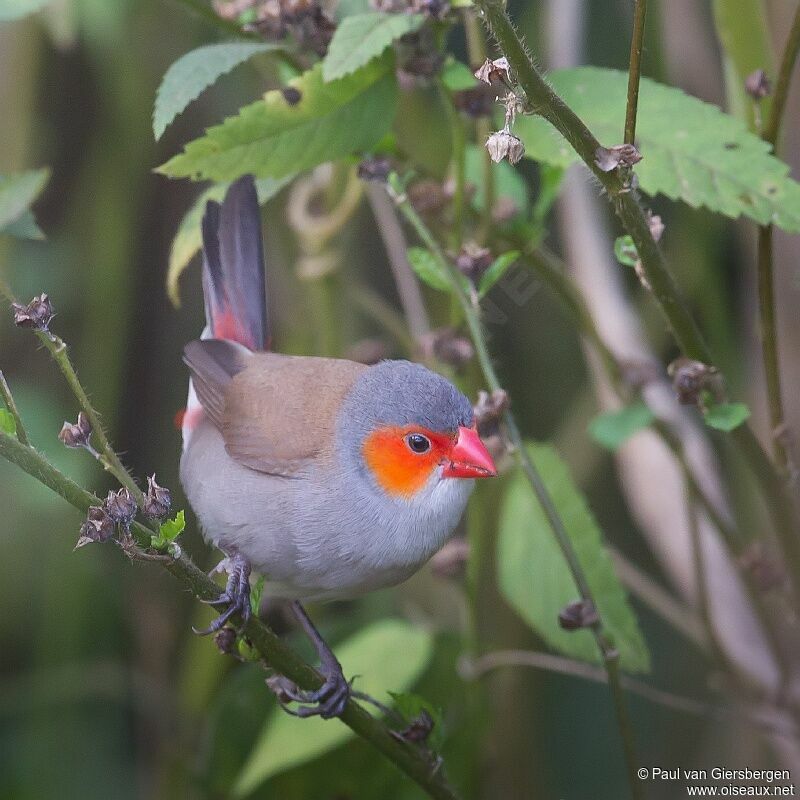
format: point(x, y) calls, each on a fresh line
point(418, 443)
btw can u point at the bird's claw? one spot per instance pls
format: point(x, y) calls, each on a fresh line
point(328, 701)
point(236, 595)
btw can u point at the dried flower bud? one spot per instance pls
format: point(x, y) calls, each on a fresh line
point(620, 155)
point(121, 506)
point(158, 500)
point(656, 226)
point(76, 435)
point(494, 71)
point(473, 260)
point(451, 560)
point(291, 95)
point(444, 344)
point(98, 527)
point(418, 58)
point(690, 378)
point(375, 169)
point(37, 314)
point(225, 640)
point(490, 408)
point(427, 197)
point(577, 615)
point(368, 351)
point(503, 144)
point(418, 730)
point(476, 102)
point(758, 85)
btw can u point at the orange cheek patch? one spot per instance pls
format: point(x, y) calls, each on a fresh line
point(399, 471)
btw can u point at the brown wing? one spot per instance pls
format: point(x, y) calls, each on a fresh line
point(275, 412)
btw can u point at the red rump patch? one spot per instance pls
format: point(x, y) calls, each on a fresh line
point(228, 326)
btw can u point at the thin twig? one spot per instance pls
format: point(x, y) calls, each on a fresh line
point(8, 399)
point(609, 654)
point(766, 293)
point(635, 69)
point(277, 655)
point(542, 99)
point(577, 669)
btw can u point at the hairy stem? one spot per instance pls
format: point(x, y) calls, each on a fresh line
point(609, 654)
point(8, 399)
point(635, 69)
point(277, 655)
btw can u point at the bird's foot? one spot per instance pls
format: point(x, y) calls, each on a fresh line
point(331, 698)
point(236, 595)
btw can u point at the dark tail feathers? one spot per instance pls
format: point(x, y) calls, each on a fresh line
point(233, 268)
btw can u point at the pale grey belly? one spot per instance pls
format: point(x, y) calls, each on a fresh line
point(310, 536)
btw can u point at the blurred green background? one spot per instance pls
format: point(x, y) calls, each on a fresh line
point(104, 691)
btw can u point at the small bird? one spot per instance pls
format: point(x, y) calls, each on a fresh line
point(328, 477)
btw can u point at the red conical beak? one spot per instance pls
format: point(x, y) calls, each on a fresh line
point(469, 457)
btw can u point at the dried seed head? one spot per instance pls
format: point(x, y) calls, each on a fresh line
point(444, 344)
point(76, 435)
point(451, 560)
point(157, 501)
point(758, 85)
point(375, 169)
point(620, 155)
point(476, 102)
point(690, 378)
point(473, 260)
point(37, 314)
point(503, 144)
point(577, 615)
point(418, 730)
point(98, 527)
point(656, 226)
point(225, 640)
point(121, 506)
point(490, 407)
point(494, 71)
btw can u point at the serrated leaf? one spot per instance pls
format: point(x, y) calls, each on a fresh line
point(428, 269)
point(613, 428)
point(625, 251)
point(7, 422)
point(457, 76)
point(533, 574)
point(188, 238)
point(726, 416)
point(168, 531)
point(194, 72)
point(362, 37)
point(17, 192)
point(388, 655)
point(15, 9)
point(692, 151)
point(272, 139)
point(496, 271)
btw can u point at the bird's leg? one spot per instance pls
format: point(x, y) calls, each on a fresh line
point(236, 594)
point(331, 698)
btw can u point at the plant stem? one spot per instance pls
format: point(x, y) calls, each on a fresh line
point(275, 653)
point(8, 399)
point(635, 69)
point(609, 654)
point(459, 144)
point(766, 296)
point(108, 456)
point(542, 100)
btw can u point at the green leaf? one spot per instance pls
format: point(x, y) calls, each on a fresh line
point(14, 9)
point(692, 151)
point(388, 655)
point(17, 192)
point(7, 422)
point(496, 271)
point(726, 416)
point(614, 427)
point(24, 227)
point(533, 574)
point(410, 706)
point(362, 37)
point(550, 180)
point(271, 138)
point(188, 238)
point(169, 531)
point(625, 251)
point(196, 71)
point(428, 269)
point(457, 76)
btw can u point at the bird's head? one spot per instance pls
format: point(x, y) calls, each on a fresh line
point(411, 430)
